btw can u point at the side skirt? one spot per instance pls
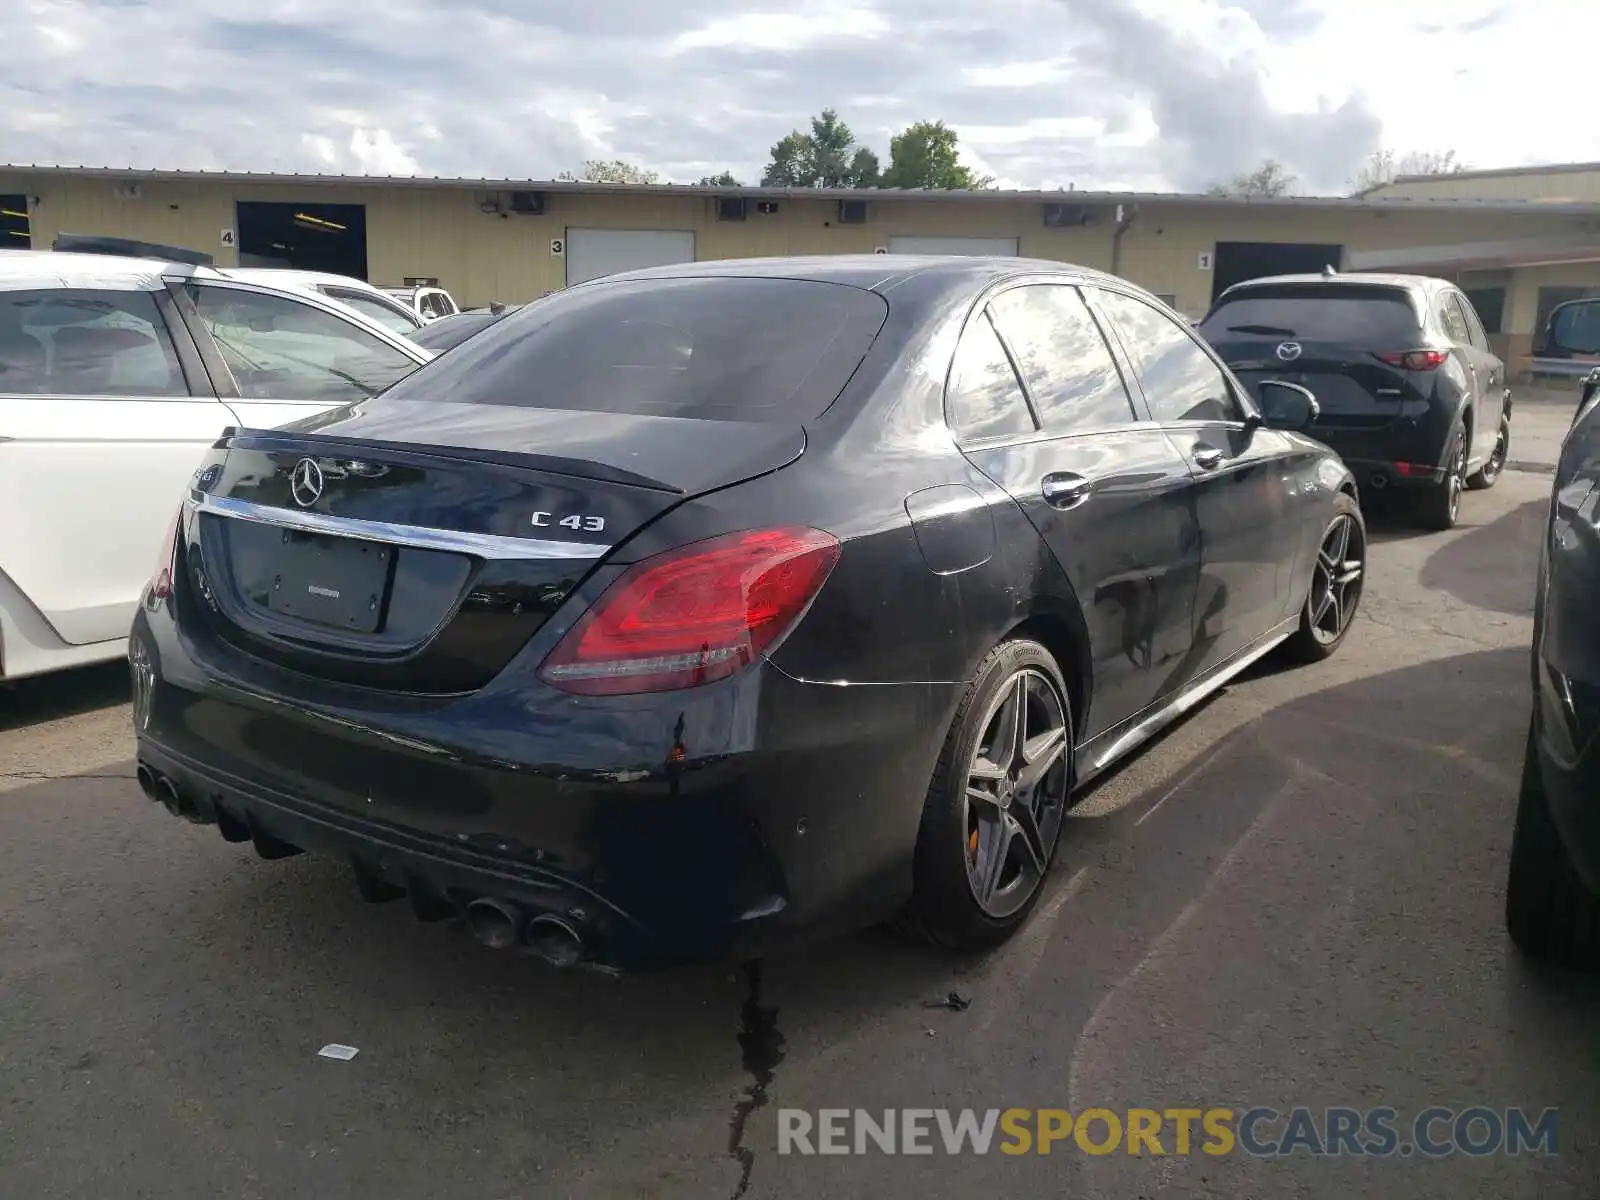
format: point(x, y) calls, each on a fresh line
point(1103, 751)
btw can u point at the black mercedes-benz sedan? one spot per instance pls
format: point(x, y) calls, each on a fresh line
point(700, 609)
point(1553, 893)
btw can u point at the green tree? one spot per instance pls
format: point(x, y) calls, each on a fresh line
point(826, 157)
point(614, 170)
point(927, 155)
point(1269, 179)
point(725, 179)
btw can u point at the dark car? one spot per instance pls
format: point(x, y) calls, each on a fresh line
point(1412, 397)
point(697, 609)
point(446, 332)
point(1572, 341)
point(1553, 893)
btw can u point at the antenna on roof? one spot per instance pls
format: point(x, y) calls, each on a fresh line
point(1328, 272)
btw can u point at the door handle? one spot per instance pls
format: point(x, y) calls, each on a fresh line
point(1065, 489)
point(1207, 458)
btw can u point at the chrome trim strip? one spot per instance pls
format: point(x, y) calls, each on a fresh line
point(480, 545)
point(1091, 764)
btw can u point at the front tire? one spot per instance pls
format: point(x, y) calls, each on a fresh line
point(1486, 476)
point(997, 802)
point(1336, 580)
point(1440, 506)
point(1550, 915)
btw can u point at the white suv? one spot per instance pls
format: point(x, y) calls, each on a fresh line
point(116, 375)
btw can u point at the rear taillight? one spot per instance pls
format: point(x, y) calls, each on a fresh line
point(161, 585)
point(693, 615)
point(1416, 360)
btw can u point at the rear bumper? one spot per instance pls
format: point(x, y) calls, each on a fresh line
point(1402, 455)
point(684, 827)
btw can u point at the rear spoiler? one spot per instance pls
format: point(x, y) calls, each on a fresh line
point(90, 243)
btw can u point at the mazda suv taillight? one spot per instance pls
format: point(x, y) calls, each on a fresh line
point(693, 615)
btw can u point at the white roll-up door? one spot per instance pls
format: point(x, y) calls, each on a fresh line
point(594, 253)
point(910, 243)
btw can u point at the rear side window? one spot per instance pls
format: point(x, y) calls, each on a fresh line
point(1068, 367)
point(280, 349)
point(1455, 325)
point(86, 343)
point(1369, 317)
point(718, 349)
point(984, 398)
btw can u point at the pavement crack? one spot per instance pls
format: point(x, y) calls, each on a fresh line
point(761, 1050)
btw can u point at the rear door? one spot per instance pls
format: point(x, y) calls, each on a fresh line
point(281, 359)
point(1250, 526)
point(1487, 373)
point(104, 417)
point(1333, 339)
point(1107, 491)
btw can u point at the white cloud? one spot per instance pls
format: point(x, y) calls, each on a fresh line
point(1099, 93)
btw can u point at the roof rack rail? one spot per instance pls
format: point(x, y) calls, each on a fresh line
point(90, 243)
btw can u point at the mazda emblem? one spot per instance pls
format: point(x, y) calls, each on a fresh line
point(1289, 351)
point(305, 485)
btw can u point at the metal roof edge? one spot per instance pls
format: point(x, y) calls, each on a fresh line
point(1362, 202)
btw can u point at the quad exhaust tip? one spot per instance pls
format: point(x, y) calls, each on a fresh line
point(500, 926)
point(495, 925)
point(147, 783)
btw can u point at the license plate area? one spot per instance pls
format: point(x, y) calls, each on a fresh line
point(337, 582)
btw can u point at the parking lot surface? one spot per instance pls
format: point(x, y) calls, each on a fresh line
point(1294, 898)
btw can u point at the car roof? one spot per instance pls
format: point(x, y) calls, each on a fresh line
point(873, 272)
point(1413, 283)
point(56, 269)
point(297, 275)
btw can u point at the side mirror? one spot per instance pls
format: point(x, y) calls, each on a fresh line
point(1286, 405)
point(1575, 327)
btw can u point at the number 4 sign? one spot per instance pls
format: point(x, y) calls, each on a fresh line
point(227, 238)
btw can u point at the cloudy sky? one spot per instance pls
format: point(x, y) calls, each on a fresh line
point(1142, 94)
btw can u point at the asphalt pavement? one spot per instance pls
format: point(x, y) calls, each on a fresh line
point(1292, 899)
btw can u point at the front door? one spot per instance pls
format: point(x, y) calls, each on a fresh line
point(285, 358)
point(1248, 523)
point(1107, 492)
point(102, 426)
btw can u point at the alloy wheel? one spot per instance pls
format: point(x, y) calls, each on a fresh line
point(1336, 579)
point(1016, 796)
point(1497, 460)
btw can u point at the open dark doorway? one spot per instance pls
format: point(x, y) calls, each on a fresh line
point(1239, 261)
point(312, 237)
point(15, 233)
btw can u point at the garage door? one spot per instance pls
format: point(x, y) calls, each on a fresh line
point(915, 244)
point(593, 253)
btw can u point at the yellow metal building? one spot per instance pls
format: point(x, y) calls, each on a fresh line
point(1516, 241)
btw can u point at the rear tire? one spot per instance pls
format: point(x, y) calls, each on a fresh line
point(1550, 915)
point(1486, 476)
point(1336, 584)
point(1440, 506)
point(1017, 830)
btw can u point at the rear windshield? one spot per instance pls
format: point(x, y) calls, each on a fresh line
point(1365, 316)
point(724, 349)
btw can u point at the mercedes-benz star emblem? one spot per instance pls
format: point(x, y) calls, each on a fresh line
point(305, 485)
point(1289, 351)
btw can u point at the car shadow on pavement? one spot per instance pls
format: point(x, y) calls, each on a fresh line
point(1313, 912)
point(1510, 543)
point(61, 694)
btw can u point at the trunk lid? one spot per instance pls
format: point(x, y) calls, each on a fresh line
point(1329, 338)
point(418, 548)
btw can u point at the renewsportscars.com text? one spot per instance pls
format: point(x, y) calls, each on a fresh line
point(1260, 1132)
